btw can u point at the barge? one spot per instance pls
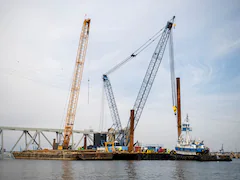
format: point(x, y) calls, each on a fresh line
point(94, 155)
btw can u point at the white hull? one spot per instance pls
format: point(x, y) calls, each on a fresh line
point(185, 153)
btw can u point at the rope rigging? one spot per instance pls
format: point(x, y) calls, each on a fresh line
point(136, 52)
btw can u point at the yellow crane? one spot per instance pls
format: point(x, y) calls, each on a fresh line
point(75, 89)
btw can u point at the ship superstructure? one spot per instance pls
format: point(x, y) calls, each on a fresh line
point(187, 146)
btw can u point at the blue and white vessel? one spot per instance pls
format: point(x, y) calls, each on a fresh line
point(187, 146)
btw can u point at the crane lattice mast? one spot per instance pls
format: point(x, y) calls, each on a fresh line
point(150, 76)
point(77, 77)
point(117, 127)
point(164, 34)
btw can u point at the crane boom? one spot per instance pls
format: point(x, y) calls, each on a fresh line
point(77, 77)
point(112, 105)
point(109, 92)
point(150, 76)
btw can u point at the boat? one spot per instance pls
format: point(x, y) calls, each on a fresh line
point(187, 146)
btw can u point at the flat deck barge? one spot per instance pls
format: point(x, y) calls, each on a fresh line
point(94, 155)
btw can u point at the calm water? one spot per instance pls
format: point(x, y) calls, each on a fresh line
point(71, 170)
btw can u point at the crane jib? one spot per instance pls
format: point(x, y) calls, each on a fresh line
point(149, 78)
point(112, 106)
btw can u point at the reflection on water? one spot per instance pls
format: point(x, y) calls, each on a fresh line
point(67, 170)
point(111, 170)
point(178, 172)
point(131, 170)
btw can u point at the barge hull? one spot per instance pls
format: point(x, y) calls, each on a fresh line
point(93, 155)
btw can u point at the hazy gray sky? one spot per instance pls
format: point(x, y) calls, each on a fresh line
point(38, 47)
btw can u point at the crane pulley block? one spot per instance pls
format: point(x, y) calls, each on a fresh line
point(175, 109)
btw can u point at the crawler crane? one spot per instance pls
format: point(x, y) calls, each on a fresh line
point(75, 89)
point(164, 34)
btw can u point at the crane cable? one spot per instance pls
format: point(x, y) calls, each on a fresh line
point(136, 52)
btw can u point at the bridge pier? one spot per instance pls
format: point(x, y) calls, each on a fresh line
point(47, 139)
point(72, 142)
point(39, 141)
point(17, 142)
point(2, 144)
point(57, 141)
point(25, 132)
point(79, 142)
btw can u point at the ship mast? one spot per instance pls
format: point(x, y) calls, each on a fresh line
point(186, 127)
point(187, 131)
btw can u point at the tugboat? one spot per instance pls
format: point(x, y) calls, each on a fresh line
point(186, 146)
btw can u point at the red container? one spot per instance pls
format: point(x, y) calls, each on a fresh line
point(161, 150)
point(137, 149)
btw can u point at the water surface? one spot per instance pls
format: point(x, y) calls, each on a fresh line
point(103, 170)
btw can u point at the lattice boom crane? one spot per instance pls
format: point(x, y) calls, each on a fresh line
point(77, 77)
point(150, 75)
point(165, 35)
